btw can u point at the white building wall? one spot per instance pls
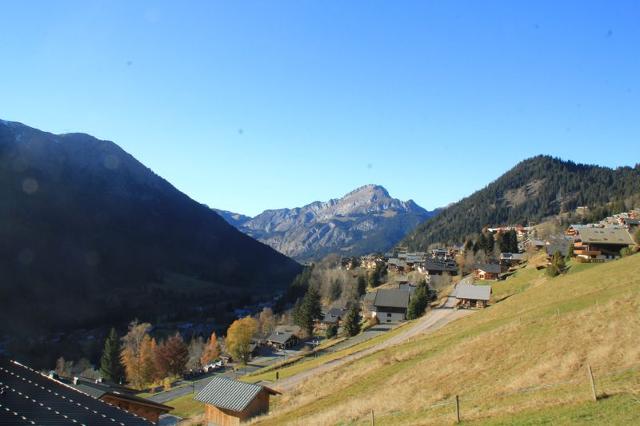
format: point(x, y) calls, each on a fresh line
point(386, 317)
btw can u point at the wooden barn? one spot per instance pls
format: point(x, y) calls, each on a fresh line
point(229, 402)
point(472, 296)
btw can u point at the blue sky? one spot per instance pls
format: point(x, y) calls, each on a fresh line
point(253, 105)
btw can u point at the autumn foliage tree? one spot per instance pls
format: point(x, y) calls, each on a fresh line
point(134, 358)
point(171, 357)
point(211, 350)
point(239, 337)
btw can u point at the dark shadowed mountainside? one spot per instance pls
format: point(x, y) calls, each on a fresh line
point(534, 189)
point(365, 220)
point(90, 237)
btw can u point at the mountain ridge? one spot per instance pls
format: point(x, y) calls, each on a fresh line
point(364, 220)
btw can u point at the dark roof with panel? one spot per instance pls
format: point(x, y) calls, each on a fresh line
point(231, 394)
point(30, 398)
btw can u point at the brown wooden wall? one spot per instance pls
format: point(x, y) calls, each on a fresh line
point(222, 417)
point(149, 413)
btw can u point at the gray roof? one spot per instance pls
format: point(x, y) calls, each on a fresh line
point(280, 337)
point(492, 268)
point(230, 394)
point(437, 265)
point(473, 292)
point(605, 236)
point(392, 298)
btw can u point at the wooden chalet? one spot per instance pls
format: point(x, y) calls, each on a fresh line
point(600, 244)
point(122, 398)
point(230, 402)
point(489, 271)
point(472, 296)
point(284, 337)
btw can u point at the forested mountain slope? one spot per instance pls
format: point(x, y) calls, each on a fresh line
point(89, 236)
point(534, 189)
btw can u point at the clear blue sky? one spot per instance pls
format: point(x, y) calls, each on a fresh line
point(253, 105)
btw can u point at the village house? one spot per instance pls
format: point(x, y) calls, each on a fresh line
point(390, 305)
point(600, 244)
point(284, 337)
point(230, 402)
point(438, 267)
point(470, 296)
point(52, 402)
point(489, 271)
point(511, 259)
point(396, 265)
point(122, 398)
point(331, 317)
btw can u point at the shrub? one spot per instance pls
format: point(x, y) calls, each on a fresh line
point(553, 271)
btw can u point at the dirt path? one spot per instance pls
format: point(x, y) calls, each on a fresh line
point(432, 321)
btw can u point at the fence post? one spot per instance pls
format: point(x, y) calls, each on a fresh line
point(457, 409)
point(373, 418)
point(593, 383)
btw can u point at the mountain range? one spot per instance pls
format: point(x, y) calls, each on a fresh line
point(89, 236)
point(365, 220)
point(535, 189)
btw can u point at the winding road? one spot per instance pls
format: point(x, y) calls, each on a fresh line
point(431, 321)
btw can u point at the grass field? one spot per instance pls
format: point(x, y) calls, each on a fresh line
point(522, 360)
point(268, 374)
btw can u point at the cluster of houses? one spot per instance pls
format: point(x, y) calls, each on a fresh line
point(434, 262)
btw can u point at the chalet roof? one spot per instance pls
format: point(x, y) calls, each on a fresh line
point(333, 315)
point(230, 394)
point(609, 235)
point(492, 268)
point(293, 329)
point(392, 298)
point(280, 337)
point(31, 398)
point(473, 292)
point(435, 265)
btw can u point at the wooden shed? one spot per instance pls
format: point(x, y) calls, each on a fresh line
point(229, 402)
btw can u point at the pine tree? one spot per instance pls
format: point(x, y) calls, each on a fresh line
point(419, 302)
point(308, 311)
point(111, 367)
point(352, 321)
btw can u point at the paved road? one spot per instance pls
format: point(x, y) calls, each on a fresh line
point(187, 387)
point(431, 321)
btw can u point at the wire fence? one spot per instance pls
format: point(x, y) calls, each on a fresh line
point(590, 385)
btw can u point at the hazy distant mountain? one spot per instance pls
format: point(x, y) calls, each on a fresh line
point(90, 236)
point(365, 220)
point(235, 219)
point(534, 189)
